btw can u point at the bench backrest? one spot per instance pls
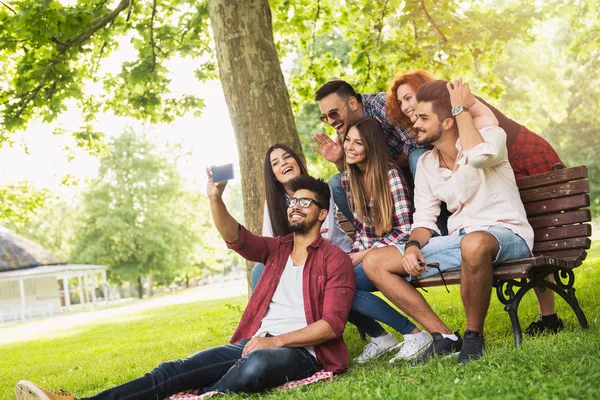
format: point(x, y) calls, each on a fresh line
point(555, 203)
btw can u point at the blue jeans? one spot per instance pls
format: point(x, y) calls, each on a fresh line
point(366, 304)
point(339, 197)
point(445, 250)
point(219, 368)
point(367, 308)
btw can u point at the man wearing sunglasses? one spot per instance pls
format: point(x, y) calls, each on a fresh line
point(292, 326)
point(341, 105)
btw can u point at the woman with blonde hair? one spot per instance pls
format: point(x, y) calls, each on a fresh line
point(379, 200)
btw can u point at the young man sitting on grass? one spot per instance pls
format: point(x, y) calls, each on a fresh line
point(292, 325)
point(469, 171)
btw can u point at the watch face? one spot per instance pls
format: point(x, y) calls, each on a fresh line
point(457, 109)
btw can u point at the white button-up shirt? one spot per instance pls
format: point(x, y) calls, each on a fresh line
point(480, 192)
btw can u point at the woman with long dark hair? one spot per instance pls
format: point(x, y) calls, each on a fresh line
point(378, 197)
point(281, 165)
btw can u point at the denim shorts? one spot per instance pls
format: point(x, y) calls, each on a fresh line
point(445, 250)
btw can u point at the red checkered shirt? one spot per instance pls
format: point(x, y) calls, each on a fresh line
point(531, 154)
point(364, 236)
point(327, 286)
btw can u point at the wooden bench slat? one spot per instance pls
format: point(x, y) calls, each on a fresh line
point(553, 177)
point(511, 269)
point(555, 191)
point(348, 228)
point(564, 232)
point(565, 244)
point(554, 205)
point(566, 218)
point(571, 254)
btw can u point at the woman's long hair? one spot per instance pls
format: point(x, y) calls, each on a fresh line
point(376, 175)
point(275, 192)
point(415, 79)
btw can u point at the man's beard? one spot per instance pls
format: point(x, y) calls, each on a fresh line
point(430, 139)
point(302, 227)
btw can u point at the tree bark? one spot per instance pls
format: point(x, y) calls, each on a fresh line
point(140, 288)
point(255, 92)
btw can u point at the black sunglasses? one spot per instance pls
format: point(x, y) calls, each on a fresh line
point(304, 202)
point(436, 266)
point(333, 114)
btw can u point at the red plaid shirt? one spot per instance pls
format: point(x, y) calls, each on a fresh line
point(531, 154)
point(328, 288)
point(528, 153)
point(364, 236)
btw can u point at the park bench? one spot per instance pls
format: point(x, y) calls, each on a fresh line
point(556, 204)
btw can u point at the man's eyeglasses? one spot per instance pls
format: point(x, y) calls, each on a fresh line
point(333, 114)
point(304, 202)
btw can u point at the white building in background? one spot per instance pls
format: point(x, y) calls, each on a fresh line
point(35, 283)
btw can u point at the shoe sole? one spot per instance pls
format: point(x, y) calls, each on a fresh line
point(394, 347)
point(25, 390)
point(415, 355)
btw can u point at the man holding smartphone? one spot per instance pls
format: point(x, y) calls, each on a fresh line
point(292, 326)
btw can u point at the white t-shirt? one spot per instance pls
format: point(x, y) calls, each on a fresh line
point(331, 227)
point(286, 310)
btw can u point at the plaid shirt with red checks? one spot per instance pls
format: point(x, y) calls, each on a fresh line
point(327, 287)
point(398, 138)
point(531, 154)
point(364, 236)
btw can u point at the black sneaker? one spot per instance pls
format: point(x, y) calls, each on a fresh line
point(545, 324)
point(472, 348)
point(440, 346)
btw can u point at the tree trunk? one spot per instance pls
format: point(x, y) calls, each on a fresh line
point(150, 285)
point(140, 288)
point(255, 92)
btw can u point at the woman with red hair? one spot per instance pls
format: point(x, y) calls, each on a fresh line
point(528, 154)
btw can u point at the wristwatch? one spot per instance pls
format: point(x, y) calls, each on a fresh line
point(457, 109)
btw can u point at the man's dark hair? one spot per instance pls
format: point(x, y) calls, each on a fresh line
point(342, 88)
point(436, 93)
point(318, 186)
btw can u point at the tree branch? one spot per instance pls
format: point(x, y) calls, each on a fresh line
point(96, 26)
point(380, 25)
point(312, 46)
point(432, 22)
point(27, 97)
point(152, 44)
point(7, 6)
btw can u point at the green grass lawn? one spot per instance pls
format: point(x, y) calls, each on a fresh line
point(96, 357)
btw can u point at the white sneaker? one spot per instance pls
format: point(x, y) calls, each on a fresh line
point(412, 346)
point(377, 347)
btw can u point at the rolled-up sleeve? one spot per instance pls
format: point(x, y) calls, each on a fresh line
point(252, 247)
point(489, 153)
point(339, 291)
point(427, 206)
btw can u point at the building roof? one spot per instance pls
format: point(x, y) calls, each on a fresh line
point(68, 270)
point(16, 253)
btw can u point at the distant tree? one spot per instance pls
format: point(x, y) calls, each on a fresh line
point(135, 219)
point(51, 225)
point(18, 204)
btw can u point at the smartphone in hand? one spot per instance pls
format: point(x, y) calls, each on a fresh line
point(222, 173)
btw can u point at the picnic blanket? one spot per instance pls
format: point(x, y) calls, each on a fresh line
point(319, 376)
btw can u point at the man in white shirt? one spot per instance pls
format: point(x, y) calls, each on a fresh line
point(469, 171)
